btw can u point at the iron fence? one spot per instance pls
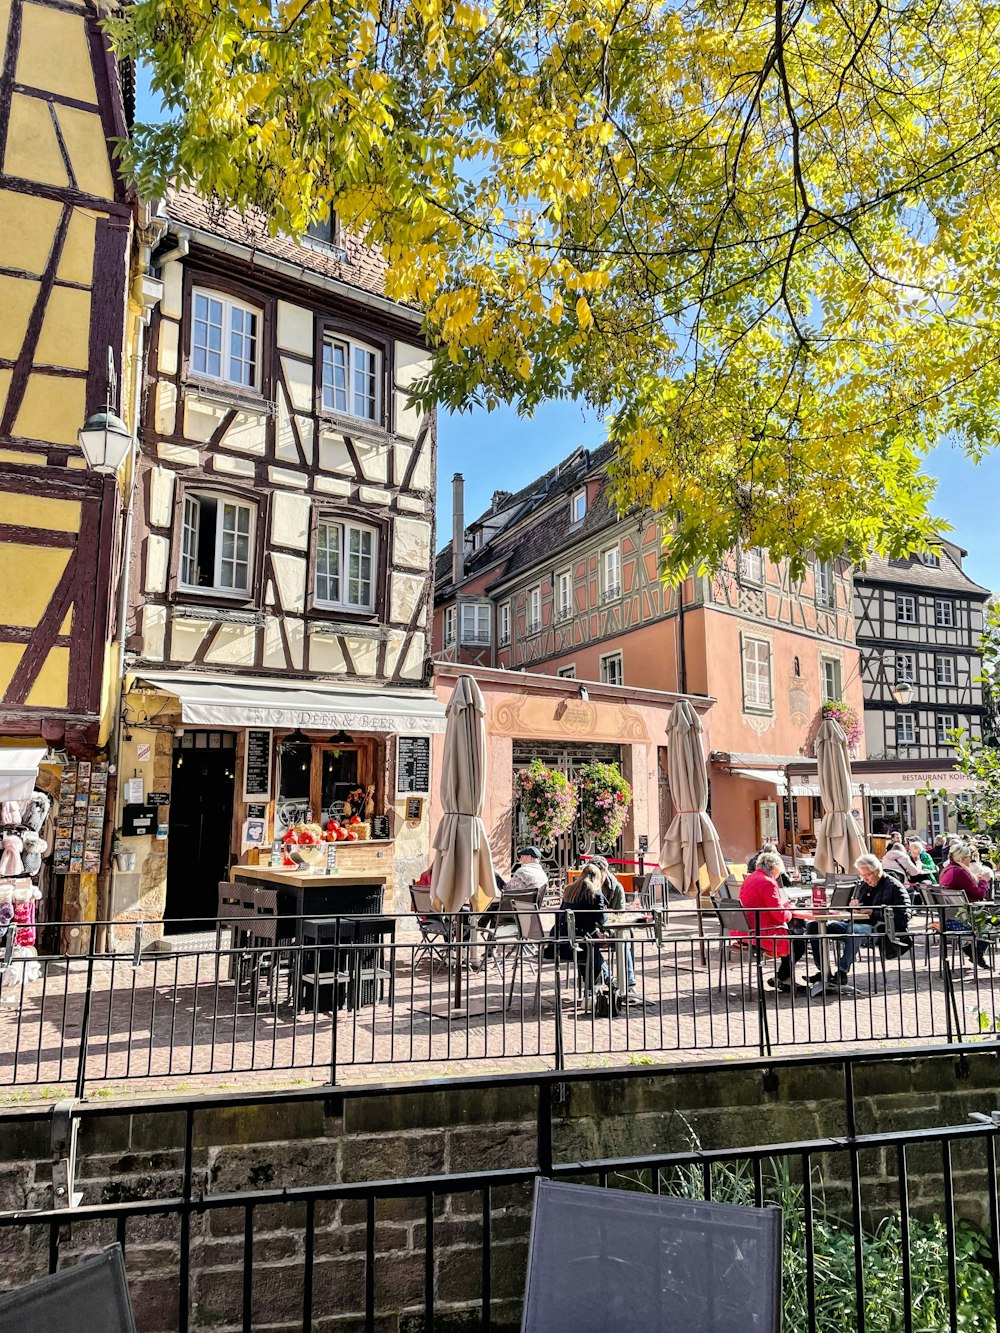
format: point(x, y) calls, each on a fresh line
point(842, 1196)
point(223, 1003)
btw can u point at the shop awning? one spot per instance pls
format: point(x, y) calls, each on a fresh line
point(214, 701)
point(18, 771)
point(774, 776)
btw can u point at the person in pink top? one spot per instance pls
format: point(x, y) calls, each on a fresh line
point(957, 875)
point(770, 917)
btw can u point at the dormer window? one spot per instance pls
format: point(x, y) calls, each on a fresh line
point(579, 507)
point(325, 230)
point(930, 559)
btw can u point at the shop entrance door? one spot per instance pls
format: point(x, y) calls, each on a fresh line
point(201, 818)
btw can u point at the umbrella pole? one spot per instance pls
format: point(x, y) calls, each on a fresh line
point(701, 928)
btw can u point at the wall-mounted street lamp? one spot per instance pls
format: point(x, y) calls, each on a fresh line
point(902, 692)
point(104, 437)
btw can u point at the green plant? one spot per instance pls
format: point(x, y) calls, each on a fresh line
point(548, 801)
point(605, 798)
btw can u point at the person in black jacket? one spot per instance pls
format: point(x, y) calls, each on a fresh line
point(877, 894)
point(586, 901)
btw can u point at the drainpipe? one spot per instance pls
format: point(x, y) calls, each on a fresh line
point(682, 673)
point(180, 249)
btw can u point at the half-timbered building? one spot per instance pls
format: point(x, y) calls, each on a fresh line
point(919, 621)
point(551, 580)
point(69, 342)
point(281, 585)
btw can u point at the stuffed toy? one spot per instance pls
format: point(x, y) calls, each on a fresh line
point(10, 860)
point(34, 811)
point(25, 898)
point(35, 848)
point(10, 812)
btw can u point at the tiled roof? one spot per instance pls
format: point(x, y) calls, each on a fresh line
point(538, 542)
point(912, 572)
point(364, 267)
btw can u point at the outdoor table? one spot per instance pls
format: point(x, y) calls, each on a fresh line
point(620, 925)
point(352, 893)
point(821, 917)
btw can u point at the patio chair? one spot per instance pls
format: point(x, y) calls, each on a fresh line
point(232, 907)
point(323, 956)
point(738, 934)
point(951, 905)
point(268, 931)
point(92, 1293)
point(841, 890)
point(436, 931)
point(530, 937)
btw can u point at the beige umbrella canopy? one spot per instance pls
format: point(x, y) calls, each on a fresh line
point(463, 867)
point(839, 840)
point(691, 842)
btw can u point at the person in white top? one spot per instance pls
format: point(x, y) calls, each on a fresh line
point(899, 863)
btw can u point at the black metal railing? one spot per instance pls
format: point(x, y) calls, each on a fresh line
point(387, 996)
point(903, 1221)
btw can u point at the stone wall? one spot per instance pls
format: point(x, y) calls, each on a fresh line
point(288, 1140)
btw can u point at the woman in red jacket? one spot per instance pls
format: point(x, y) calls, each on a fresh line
point(770, 916)
point(957, 875)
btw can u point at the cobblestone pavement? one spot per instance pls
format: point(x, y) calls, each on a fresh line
point(177, 1021)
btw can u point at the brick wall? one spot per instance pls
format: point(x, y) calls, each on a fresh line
point(288, 1141)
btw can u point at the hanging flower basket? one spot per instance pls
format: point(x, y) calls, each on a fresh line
point(548, 801)
point(849, 720)
point(605, 799)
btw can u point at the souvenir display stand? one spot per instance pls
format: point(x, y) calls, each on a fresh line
point(21, 851)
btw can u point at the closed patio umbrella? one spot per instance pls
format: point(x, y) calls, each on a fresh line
point(462, 874)
point(839, 840)
point(691, 843)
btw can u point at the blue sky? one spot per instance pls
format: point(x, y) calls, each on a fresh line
point(501, 451)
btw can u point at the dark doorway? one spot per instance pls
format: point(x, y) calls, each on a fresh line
point(201, 817)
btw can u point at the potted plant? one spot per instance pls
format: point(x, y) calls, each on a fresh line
point(548, 801)
point(605, 799)
point(850, 721)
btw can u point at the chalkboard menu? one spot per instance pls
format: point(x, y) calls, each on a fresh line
point(413, 764)
point(257, 766)
point(380, 826)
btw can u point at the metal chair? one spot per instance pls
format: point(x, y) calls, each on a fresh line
point(530, 936)
point(436, 930)
point(952, 904)
point(268, 930)
point(321, 941)
point(737, 934)
point(231, 907)
point(363, 939)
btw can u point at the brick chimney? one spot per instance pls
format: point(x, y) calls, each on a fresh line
point(457, 528)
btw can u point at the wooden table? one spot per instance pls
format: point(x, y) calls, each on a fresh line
point(620, 924)
point(821, 917)
point(316, 895)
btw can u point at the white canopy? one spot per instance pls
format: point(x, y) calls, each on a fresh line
point(217, 701)
point(18, 771)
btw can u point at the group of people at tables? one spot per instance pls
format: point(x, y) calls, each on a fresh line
point(884, 885)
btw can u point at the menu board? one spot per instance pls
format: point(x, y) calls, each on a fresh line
point(380, 826)
point(257, 766)
point(83, 793)
point(413, 764)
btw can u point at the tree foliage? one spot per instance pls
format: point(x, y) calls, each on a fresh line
point(980, 761)
point(761, 238)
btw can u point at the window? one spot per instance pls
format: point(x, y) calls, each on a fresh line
point(946, 724)
point(224, 339)
point(906, 728)
point(611, 565)
point(534, 610)
point(475, 623)
point(906, 671)
point(944, 670)
point(345, 566)
point(503, 628)
point(757, 674)
point(752, 565)
point(944, 613)
point(830, 679)
point(352, 373)
point(564, 588)
point(216, 543)
point(611, 669)
point(825, 589)
point(906, 609)
point(449, 626)
point(930, 559)
point(567, 673)
point(325, 230)
point(579, 507)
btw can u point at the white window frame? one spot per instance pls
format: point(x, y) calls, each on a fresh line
point(612, 663)
point(942, 604)
point(533, 609)
point(329, 389)
point(480, 634)
point(611, 557)
point(578, 509)
point(503, 624)
point(906, 675)
point(229, 306)
point(943, 723)
point(450, 625)
point(949, 677)
point(752, 565)
point(929, 559)
point(824, 664)
point(567, 672)
point(753, 700)
point(907, 600)
point(826, 594)
point(191, 517)
point(564, 594)
point(348, 527)
point(906, 734)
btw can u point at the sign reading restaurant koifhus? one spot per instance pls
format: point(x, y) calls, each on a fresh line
point(413, 765)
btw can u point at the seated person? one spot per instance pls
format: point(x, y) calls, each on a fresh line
point(877, 893)
point(898, 862)
point(770, 916)
point(939, 852)
point(584, 899)
point(784, 879)
point(614, 895)
point(928, 870)
point(958, 872)
point(529, 880)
